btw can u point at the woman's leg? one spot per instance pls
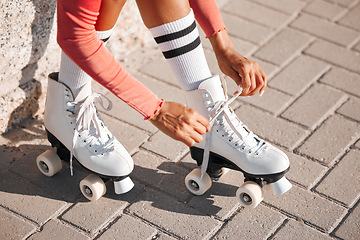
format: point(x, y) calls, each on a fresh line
point(173, 26)
point(70, 74)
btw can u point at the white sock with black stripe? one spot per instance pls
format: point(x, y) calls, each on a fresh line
point(73, 76)
point(180, 44)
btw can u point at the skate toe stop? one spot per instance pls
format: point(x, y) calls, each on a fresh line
point(123, 186)
point(281, 186)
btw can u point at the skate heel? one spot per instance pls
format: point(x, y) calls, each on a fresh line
point(123, 186)
point(61, 150)
point(281, 186)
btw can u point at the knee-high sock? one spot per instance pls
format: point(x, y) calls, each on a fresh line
point(73, 76)
point(180, 44)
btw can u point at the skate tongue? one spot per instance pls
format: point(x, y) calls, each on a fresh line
point(84, 92)
point(214, 86)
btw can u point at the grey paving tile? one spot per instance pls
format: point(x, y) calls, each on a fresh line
point(28, 200)
point(271, 128)
point(298, 231)
point(324, 9)
point(220, 200)
point(159, 69)
point(337, 184)
point(283, 47)
point(351, 109)
point(289, 7)
point(128, 227)
point(352, 19)
point(357, 47)
point(349, 229)
point(13, 227)
point(173, 217)
point(57, 230)
point(257, 13)
point(339, 56)
point(315, 105)
point(345, 3)
point(331, 139)
point(296, 77)
point(325, 29)
point(159, 173)
point(166, 146)
point(304, 171)
point(246, 30)
point(307, 206)
point(256, 223)
point(272, 101)
point(62, 185)
point(349, 82)
point(130, 137)
point(8, 156)
point(93, 216)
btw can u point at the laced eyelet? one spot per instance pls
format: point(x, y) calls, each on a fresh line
point(84, 141)
point(95, 150)
point(249, 152)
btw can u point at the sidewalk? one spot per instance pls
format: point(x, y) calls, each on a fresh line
point(311, 109)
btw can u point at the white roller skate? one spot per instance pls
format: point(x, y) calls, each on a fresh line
point(76, 130)
point(231, 144)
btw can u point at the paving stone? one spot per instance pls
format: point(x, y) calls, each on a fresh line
point(319, 101)
point(345, 3)
point(331, 139)
point(283, 47)
point(357, 144)
point(130, 137)
point(28, 200)
point(303, 171)
point(12, 227)
point(128, 227)
point(220, 200)
point(256, 223)
point(173, 217)
point(165, 146)
point(337, 184)
point(307, 206)
point(298, 75)
point(327, 10)
point(297, 230)
point(57, 230)
point(257, 13)
point(272, 100)
point(350, 82)
point(271, 128)
point(352, 19)
point(163, 236)
point(338, 55)
point(61, 185)
point(289, 7)
point(93, 216)
point(158, 68)
point(351, 109)
point(246, 30)
point(357, 47)
point(157, 172)
point(188, 162)
point(8, 156)
point(349, 229)
point(324, 29)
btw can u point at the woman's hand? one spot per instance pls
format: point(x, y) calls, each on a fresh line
point(244, 72)
point(181, 123)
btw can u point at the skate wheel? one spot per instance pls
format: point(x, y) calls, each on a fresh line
point(194, 183)
point(249, 194)
point(92, 187)
point(49, 163)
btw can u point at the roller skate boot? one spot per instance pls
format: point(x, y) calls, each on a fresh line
point(77, 131)
point(231, 145)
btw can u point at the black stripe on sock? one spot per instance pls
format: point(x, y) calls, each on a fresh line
point(175, 35)
point(182, 50)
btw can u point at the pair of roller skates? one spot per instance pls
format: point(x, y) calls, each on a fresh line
point(75, 129)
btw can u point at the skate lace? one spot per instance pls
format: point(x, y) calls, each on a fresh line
point(233, 128)
point(88, 119)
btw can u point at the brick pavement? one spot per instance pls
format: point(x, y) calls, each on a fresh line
point(311, 52)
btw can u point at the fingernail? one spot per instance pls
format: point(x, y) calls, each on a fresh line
point(262, 93)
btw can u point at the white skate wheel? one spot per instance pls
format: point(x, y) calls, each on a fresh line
point(49, 163)
point(92, 187)
point(194, 183)
point(249, 194)
point(123, 186)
